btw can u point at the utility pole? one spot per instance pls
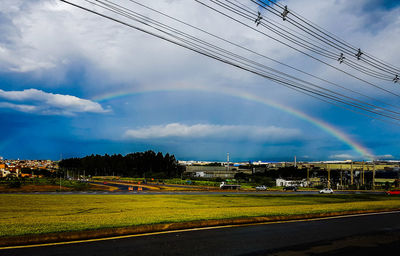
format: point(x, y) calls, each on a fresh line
point(341, 177)
point(308, 176)
point(329, 175)
point(227, 161)
point(373, 177)
point(363, 173)
point(351, 174)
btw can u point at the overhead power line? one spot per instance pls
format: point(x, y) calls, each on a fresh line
point(329, 38)
point(147, 20)
point(300, 39)
point(335, 37)
point(261, 55)
point(304, 44)
point(294, 48)
point(195, 44)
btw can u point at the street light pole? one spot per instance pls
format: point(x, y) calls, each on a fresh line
point(329, 175)
point(363, 173)
point(351, 174)
point(373, 177)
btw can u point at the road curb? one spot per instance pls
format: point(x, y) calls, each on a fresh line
point(111, 232)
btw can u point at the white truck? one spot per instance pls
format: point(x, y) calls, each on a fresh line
point(223, 185)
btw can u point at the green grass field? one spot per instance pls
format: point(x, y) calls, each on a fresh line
point(38, 214)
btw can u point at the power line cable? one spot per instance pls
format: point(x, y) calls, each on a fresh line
point(333, 55)
point(397, 69)
point(311, 56)
point(284, 82)
point(147, 20)
point(252, 62)
point(261, 55)
point(372, 60)
point(305, 39)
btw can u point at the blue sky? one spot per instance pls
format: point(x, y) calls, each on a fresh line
point(73, 84)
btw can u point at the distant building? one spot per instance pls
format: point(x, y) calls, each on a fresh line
point(214, 171)
point(200, 174)
point(297, 183)
point(210, 171)
point(260, 163)
point(3, 171)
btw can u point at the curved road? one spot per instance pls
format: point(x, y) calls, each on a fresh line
point(121, 187)
point(123, 190)
point(355, 235)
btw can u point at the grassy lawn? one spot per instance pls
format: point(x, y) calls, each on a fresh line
point(46, 185)
point(29, 188)
point(37, 214)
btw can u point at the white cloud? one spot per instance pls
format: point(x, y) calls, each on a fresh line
point(342, 157)
point(19, 107)
point(45, 35)
point(51, 39)
point(383, 157)
point(50, 35)
point(41, 102)
point(229, 132)
point(351, 157)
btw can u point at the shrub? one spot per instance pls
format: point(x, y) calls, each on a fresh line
point(219, 179)
point(14, 183)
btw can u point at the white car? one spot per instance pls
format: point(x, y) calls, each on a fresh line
point(326, 191)
point(263, 187)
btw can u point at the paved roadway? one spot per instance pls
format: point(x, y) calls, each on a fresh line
point(356, 235)
point(121, 187)
point(124, 191)
point(124, 188)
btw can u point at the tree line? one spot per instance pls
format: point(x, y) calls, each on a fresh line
point(139, 164)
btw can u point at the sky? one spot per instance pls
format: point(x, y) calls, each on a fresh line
point(74, 84)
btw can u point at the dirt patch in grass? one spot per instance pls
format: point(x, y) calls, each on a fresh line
point(51, 188)
point(98, 187)
point(33, 188)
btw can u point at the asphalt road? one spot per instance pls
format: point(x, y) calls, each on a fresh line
point(121, 187)
point(124, 188)
point(124, 191)
point(357, 235)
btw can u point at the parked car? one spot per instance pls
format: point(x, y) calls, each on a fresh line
point(326, 191)
point(261, 188)
point(293, 188)
point(393, 192)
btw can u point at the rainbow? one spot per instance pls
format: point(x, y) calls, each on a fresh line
point(328, 128)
